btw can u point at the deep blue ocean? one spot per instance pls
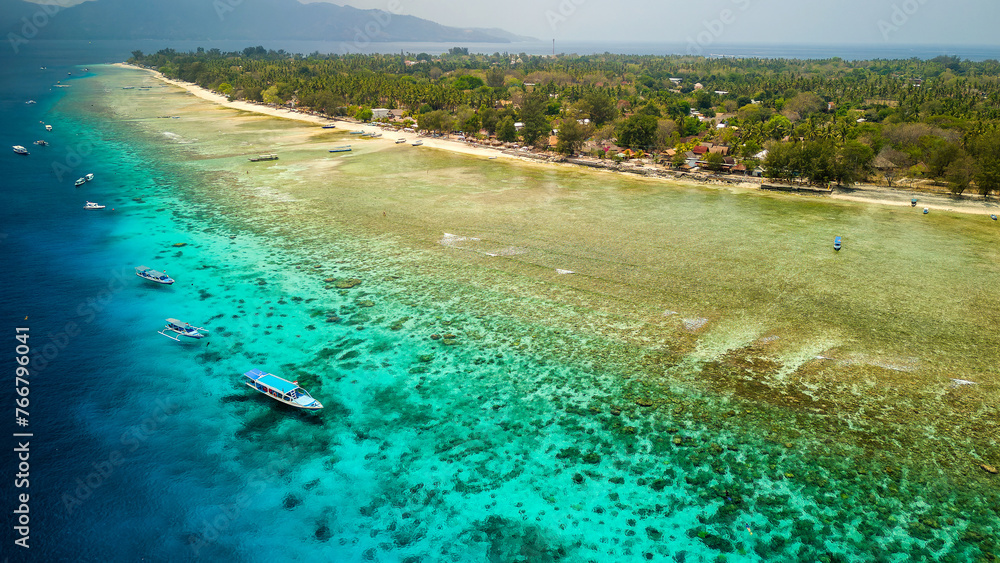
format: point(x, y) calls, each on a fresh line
point(144, 449)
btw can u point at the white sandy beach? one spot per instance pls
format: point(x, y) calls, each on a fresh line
point(972, 204)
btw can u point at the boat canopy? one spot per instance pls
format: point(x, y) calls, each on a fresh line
point(273, 381)
point(150, 272)
point(176, 322)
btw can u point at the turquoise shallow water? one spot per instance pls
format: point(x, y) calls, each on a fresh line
point(506, 439)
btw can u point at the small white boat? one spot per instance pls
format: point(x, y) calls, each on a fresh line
point(356, 133)
point(89, 177)
point(417, 143)
point(281, 390)
point(175, 329)
point(399, 141)
point(153, 275)
point(20, 150)
point(42, 143)
point(48, 127)
point(79, 182)
point(926, 211)
point(263, 157)
point(92, 205)
point(29, 102)
point(330, 126)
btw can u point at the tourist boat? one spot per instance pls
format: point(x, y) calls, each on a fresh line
point(263, 157)
point(281, 390)
point(92, 205)
point(79, 182)
point(836, 243)
point(330, 126)
point(48, 127)
point(343, 148)
point(89, 177)
point(153, 275)
point(398, 141)
point(174, 329)
point(20, 150)
point(418, 142)
point(42, 143)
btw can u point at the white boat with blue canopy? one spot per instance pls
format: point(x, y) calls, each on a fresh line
point(175, 329)
point(281, 390)
point(153, 275)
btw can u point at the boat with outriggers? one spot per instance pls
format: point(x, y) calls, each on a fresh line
point(342, 148)
point(175, 329)
point(281, 390)
point(79, 182)
point(93, 205)
point(20, 150)
point(150, 274)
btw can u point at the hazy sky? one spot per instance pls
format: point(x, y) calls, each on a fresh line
point(707, 22)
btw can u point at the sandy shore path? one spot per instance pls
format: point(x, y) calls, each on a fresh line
point(967, 203)
point(388, 136)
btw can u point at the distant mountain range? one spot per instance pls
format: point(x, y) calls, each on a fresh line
point(251, 20)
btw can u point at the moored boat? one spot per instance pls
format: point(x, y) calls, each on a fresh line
point(926, 211)
point(42, 143)
point(20, 150)
point(398, 141)
point(993, 216)
point(29, 102)
point(836, 243)
point(913, 202)
point(281, 390)
point(48, 127)
point(153, 275)
point(79, 182)
point(342, 148)
point(417, 143)
point(174, 329)
point(263, 157)
point(89, 177)
point(92, 205)
point(330, 126)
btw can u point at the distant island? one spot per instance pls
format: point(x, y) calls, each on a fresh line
point(232, 20)
point(816, 122)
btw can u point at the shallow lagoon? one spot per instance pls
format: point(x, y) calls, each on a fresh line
point(712, 383)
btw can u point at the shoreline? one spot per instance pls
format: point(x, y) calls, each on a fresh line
point(860, 193)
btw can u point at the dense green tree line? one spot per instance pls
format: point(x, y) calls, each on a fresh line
point(820, 120)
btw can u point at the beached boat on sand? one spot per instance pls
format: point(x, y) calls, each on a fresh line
point(836, 243)
point(417, 143)
point(281, 390)
point(343, 148)
point(153, 275)
point(263, 157)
